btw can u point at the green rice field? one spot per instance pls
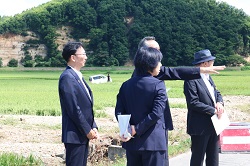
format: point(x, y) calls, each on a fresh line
point(35, 92)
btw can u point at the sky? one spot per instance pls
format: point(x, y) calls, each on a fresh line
point(240, 4)
point(12, 7)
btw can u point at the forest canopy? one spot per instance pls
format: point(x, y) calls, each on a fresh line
point(112, 29)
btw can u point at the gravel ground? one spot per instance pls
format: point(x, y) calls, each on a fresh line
point(41, 135)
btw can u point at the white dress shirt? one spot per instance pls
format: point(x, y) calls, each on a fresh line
point(81, 77)
point(210, 88)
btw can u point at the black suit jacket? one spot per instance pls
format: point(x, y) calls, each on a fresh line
point(200, 106)
point(77, 108)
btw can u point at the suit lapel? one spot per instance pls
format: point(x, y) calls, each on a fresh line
point(90, 92)
point(80, 83)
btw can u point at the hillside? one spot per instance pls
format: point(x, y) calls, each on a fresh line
point(12, 45)
point(112, 30)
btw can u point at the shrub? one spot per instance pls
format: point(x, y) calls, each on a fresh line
point(245, 68)
point(29, 63)
point(13, 63)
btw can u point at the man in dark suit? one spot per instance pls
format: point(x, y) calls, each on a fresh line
point(78, 125)
point(203, 101)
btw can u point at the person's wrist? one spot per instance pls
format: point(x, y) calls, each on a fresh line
point(133, 130)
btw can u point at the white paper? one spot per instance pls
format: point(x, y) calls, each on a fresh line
point(123, 121)
point(220, 124)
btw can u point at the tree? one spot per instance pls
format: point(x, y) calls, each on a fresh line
point(245, 32)
point(13, 63)
point(235, 60)
point(27, 61)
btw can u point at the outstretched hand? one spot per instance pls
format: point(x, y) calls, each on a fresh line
point(210, 70)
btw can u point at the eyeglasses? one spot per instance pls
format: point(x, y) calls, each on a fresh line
point(80, 54)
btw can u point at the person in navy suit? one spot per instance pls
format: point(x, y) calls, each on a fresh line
point(203, 101)
point(78, 124)
point(144, 97)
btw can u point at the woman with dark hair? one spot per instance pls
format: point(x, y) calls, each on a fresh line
point(144, 97)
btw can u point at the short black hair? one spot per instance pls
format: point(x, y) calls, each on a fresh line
point(70, 49)
point(143, 43)
point(146, 59)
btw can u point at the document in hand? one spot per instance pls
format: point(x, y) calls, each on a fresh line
point(123, 121)
point(220, 124)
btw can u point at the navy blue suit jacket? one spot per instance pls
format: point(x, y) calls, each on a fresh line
point(144, 97)
point(200, 106)
point(175, 73)
point(77, 108)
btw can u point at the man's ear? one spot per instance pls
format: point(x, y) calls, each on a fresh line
point(72, 58)
point(205, 64)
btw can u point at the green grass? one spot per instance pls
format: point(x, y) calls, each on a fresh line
point(178, 142)
point(181, 147)
point(35, 92)
point(233, 82)
point(10, 159)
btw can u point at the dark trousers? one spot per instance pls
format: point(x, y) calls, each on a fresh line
point(76, 154)
point(146, 158)
point(204, 144)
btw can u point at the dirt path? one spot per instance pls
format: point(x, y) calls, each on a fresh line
point(41, 136)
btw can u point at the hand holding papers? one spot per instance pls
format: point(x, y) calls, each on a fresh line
point(220, 124)
point(124, 126)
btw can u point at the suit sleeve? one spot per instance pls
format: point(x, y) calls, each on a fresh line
point(68, 94)
point(179, 73)
point(158, 109)
point(193, 99)
point(119, 108)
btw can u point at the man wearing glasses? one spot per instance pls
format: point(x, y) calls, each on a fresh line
point(78, 124)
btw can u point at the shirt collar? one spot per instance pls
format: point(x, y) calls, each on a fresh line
point(77, 72)
point(203, 76)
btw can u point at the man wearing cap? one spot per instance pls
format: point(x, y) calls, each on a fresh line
point(203, 101)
